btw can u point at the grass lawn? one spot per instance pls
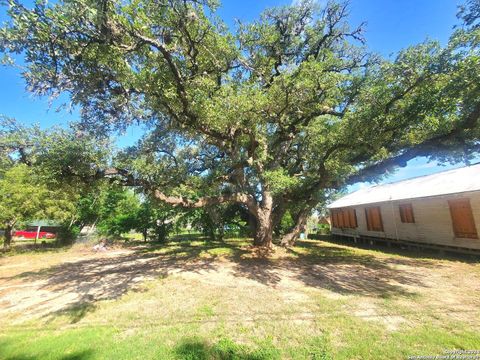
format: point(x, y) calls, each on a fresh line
point(194, 299)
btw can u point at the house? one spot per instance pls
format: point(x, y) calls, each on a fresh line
point(435, 211)
point(324, 220)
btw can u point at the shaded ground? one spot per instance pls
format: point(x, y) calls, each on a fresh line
point(316, 288)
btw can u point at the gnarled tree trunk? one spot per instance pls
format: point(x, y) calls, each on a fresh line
point(300, 223)
point(264, 231)
point(252, 224)
point(261, 218)
point(264, 216)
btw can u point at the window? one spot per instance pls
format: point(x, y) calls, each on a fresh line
point(462, 219)
point(406, 213)
point(374, 218)
point(344, 218)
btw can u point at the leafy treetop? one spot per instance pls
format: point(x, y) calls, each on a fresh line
point(272, 116)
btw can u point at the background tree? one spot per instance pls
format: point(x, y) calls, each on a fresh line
point(269, 117)
point(47, 173)
point(218, 221)
point(117, 210)
point(26, 197)
point(62, 156)
point(153, 218)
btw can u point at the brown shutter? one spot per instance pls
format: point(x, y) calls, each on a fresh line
point(352, 215)
point(333, 217)
point(347, 218)
point(344, 218)
point(378, 219)
point(341, 218)
point(374, 218)
point(369, 220)
point(406, 213)
point(462, 219)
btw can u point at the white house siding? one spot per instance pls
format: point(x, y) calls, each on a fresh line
point(433, 223)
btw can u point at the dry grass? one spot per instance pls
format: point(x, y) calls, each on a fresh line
point(188, 299)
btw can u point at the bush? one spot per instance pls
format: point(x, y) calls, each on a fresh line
point(323, 229)
point(67, 234)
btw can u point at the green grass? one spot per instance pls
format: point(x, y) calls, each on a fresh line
point(111, 343)
point(222, 302)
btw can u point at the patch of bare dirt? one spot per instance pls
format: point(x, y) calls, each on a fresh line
point(369, 311)
point(41, 285)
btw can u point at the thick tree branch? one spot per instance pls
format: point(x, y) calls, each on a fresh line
point(446, 142)
point(180, 201)
point(128, 179)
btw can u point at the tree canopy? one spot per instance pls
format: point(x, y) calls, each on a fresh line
point(24, 197)
point(271, 116)
point(45, 173)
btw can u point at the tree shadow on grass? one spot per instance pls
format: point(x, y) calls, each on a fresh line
point(78, 310)
point(194, 349)
point(337, 269)
point(78, 355)
point(315, 264)
point(402, 250)
point(110, 277)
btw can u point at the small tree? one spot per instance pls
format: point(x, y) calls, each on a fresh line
point(156, 217)
point(25, 197)
point(119, 210)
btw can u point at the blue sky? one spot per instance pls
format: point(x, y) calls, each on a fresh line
point(391, 26)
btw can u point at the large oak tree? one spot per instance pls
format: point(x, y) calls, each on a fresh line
point(271, 116)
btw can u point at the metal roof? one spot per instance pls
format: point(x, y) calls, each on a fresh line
point(42, 222)
point(447, 182)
